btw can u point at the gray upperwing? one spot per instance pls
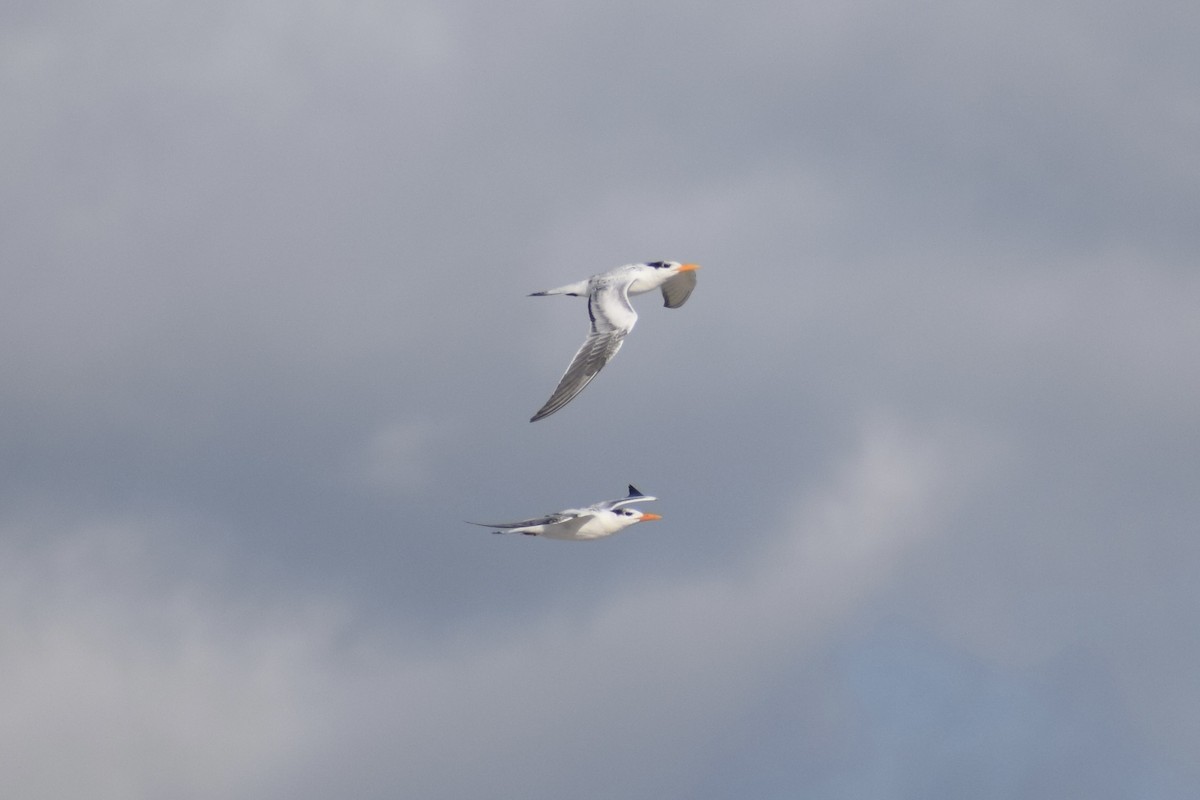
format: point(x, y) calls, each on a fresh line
point(634, 497)
point(549, 519)
point(678, 289)
point(598, 349)
point(612, 318)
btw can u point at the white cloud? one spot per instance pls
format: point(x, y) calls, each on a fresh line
point(122, 679)
point(645, 679)
point(234, 231)
point(148, 683)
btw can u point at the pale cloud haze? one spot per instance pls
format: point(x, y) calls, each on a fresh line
point(925, 437)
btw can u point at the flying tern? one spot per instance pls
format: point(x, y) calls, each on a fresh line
point(613, 317)
point(580, 524)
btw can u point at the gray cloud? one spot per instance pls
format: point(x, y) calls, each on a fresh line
point(924, 437)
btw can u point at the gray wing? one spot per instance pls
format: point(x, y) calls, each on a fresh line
point(678, 289)
point(634, 497)
point(612, 318)
point(562, 525)
point(549, 519)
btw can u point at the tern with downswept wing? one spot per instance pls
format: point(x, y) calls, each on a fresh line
point(580, 524)
point(613, 317)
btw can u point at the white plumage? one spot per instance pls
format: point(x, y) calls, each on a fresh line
point(613, 317)
point(579, 524)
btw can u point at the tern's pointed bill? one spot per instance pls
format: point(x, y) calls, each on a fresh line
point(612, 317)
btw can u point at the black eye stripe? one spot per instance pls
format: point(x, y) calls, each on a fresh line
point(656, 264)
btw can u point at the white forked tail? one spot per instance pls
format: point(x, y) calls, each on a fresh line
point(573, 289)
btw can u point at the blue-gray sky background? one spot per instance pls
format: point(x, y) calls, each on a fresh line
point(925, 438)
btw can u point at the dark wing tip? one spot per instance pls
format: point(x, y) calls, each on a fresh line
point(633, 492)
point(552, 405)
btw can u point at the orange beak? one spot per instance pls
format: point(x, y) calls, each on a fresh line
point(648, 517)
point(688, 267)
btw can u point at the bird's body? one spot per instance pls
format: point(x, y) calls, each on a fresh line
point(580, 524)
point(612, 317)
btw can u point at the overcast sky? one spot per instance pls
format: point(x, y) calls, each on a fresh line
point(926, 437)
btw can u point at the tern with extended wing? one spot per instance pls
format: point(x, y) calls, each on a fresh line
point(580, 524)
point(613, 317)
